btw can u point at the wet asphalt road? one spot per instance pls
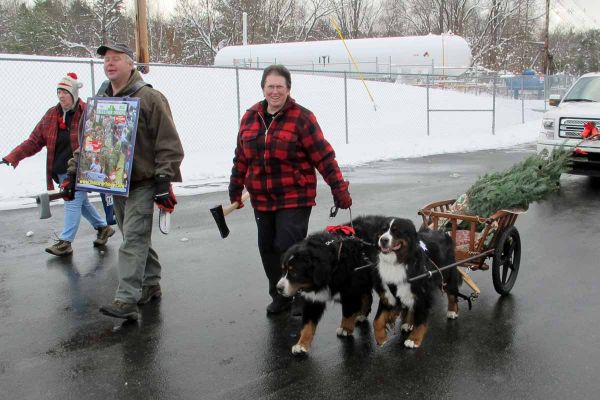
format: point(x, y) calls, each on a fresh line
point(209, 337)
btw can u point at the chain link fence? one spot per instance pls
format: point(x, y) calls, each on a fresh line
point(207, 102)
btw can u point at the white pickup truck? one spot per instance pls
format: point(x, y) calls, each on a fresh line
point(564, 123)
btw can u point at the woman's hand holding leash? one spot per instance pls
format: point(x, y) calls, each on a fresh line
point(341, 196)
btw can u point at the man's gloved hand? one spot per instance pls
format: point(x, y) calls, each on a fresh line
point(67, 187)
point(341, 197)
point(5, 162)
point(163, 193)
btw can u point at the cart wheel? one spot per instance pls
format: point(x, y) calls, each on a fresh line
point(507, 258)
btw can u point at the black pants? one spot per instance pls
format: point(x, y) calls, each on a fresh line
point(277, 231)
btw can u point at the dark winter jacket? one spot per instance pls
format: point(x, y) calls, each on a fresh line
point(277, 163)
point(158, 149)
point(44, 134)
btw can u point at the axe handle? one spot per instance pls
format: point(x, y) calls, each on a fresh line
point(233, 206)
point(467, 279)
point(55, 196)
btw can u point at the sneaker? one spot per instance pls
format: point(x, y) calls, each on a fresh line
point(149, 293)
point(119, 309)
point(61, 248)
point(279, 305)
point(104, 233)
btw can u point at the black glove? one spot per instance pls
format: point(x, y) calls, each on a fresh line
point(163, 193)
point(5, 162)
point(67, 187)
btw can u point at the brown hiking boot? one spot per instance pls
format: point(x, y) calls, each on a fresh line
point(118, 309)
point(104, 233)
point(149, 293)
point(61, 248)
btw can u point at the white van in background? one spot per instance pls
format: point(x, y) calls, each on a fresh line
point(564, 123)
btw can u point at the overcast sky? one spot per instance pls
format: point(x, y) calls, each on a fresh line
point(578, 13)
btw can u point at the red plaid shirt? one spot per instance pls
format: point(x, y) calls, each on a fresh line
point(44, 134)
point(277, 163)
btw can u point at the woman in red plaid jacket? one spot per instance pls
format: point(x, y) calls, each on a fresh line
point(279, 146)
point(58, 131)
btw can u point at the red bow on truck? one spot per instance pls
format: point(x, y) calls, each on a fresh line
point(590, 131)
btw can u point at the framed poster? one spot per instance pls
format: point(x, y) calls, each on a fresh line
point(107, 144)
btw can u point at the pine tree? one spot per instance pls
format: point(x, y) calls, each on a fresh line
point(530, 180)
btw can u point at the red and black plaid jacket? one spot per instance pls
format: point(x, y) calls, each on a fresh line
point(44, 134)
point(277, 163)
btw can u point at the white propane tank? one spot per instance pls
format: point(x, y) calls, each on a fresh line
point(446, 54)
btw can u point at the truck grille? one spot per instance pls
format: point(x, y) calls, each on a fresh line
point(572, 127)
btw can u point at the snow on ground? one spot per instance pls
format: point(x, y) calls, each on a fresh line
point(203, 101)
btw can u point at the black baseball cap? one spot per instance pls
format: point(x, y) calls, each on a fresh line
point(118, 47)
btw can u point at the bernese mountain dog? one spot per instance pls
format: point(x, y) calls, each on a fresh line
point(323, 267)
point(406, 253)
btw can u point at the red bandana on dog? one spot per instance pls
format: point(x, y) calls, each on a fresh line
point(340, 230)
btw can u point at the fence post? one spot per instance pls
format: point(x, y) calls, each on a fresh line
point(546, 91)
point(92, 77)
point(522, 99)
point(237, 88)
point(427, 84)
point(346, 103)
point(494, 106)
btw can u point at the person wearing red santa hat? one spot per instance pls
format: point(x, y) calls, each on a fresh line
point(58, 131)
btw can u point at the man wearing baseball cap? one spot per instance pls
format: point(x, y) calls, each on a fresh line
point(156, 161)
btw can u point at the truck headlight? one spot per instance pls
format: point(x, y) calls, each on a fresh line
point(547, 128)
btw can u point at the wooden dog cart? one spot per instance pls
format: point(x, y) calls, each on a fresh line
point(499, 240)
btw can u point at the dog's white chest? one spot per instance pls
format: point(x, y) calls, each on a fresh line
point(322, 296)
point(393, 273)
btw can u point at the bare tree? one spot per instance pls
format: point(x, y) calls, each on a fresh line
point(357, 18)
point(308, 18)
point(107, 14)
point(393, 18)
point(199, 26)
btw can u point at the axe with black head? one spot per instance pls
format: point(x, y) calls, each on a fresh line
point(219, 212)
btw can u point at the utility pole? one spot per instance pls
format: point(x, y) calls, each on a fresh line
point(141, 36)
point(546, 41)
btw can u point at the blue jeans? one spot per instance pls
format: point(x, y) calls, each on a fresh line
point(74, 209)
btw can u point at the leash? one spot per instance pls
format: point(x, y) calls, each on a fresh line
point(334, 210)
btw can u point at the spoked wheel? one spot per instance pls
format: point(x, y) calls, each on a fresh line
point(507, 258)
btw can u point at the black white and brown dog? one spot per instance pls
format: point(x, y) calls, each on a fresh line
point(325, 267)
point(402, 253)
point(406, 253)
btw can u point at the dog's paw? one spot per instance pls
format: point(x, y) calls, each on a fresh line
point(299, 350)
point(406, 327)
point(452, 315)
point(341, 332)
point(410, 344)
